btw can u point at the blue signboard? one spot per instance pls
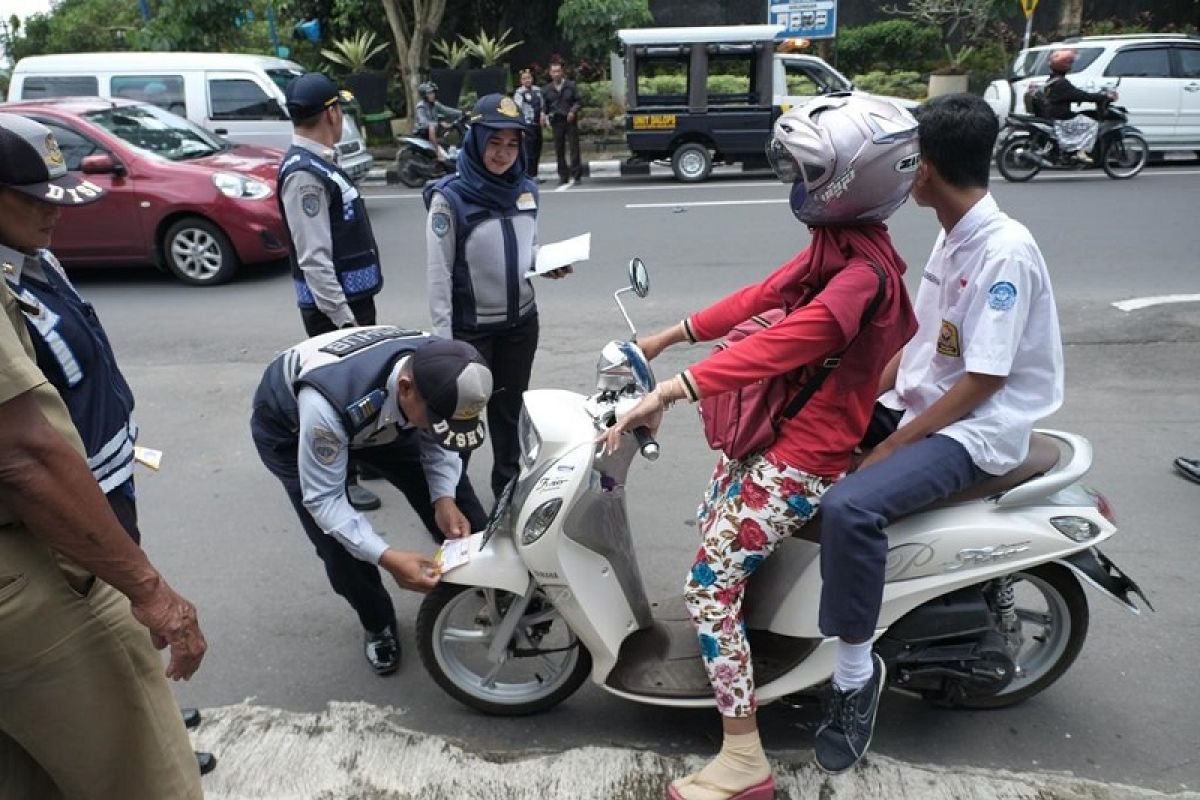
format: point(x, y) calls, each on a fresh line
point(808, 19)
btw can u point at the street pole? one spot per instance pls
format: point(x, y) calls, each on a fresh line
point(1028, 6)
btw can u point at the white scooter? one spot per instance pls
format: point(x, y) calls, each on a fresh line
point(982, 608)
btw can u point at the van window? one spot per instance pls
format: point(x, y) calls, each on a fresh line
point(807, 80)
point(1143, 62)
point(1034, 63)
point(730, 80)
point(39, 86)
point(74, 146)
point(283, 77)
point(164, 91)
point(663, 80)
point(238, 98)
point(1189, 61)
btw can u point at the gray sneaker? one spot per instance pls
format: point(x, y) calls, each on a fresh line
point(845, 734)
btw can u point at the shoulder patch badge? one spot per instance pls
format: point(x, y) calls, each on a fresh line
point(1002, 296)
point(439, 223)
point(311, 203)
point(326, 445)
point(949, 342)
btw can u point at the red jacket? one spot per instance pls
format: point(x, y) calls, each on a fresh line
point(830, 285)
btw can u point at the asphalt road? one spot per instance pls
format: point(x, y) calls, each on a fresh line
point(219, 526)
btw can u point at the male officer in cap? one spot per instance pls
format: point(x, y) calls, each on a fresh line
point(85, 708)
point(334, 258)
point(407, 404)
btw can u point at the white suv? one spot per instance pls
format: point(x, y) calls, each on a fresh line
point(1156, 75)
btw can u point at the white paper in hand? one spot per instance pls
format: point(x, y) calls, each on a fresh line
point(561, 254)
point(453, 553)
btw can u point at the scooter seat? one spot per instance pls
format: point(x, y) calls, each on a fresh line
point(1044, 455)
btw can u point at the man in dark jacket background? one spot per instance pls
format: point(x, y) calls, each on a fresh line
point(562, 114)
point(1057, 95)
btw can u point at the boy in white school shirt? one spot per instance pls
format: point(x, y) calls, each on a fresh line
point(958, 403)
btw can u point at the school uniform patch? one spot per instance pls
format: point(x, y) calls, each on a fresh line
point(526, 202)
point(439, 223)
point(1002, 296)
point(326, 445)
point(949, 343)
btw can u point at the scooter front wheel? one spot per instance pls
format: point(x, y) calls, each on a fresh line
point(543, 664)
point(1124, 156)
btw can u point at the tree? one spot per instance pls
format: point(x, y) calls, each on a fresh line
point(414, 24)
point(1070, 18)
point(964, 23)
point(591, 25)
point(206, 26)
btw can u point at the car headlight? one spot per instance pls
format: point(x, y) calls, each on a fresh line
point(539, 521)
point(531, 442)
point(240, 187)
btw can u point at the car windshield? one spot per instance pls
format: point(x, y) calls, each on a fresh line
point(1036, 63)
point(153, 130)
point(284, 76)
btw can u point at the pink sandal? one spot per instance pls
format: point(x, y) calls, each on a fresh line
point(759, 791)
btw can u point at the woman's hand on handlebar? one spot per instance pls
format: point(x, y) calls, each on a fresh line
point(648, 412)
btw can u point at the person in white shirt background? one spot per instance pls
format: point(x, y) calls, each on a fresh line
point(958, 403)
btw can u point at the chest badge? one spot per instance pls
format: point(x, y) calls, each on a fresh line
point(526, 202)
point(949, 342)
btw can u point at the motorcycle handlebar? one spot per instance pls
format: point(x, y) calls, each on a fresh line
point(646, 444)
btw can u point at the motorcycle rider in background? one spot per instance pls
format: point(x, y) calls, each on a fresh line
point(433, 117)
point(1075, 132)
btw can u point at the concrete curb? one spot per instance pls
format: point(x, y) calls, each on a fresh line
point(363, 751)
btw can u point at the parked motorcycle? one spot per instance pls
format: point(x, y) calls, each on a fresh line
point(1029, 144)
point(983, 605)
point(416, 159)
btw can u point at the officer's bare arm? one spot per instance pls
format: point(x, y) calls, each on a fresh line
point(49, 487)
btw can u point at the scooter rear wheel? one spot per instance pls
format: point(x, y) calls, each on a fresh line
point(1016, 160)
point(1054, 617)
point(455, 628)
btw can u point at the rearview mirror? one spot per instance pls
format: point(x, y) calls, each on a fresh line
point(101, 164)
point(639, 277)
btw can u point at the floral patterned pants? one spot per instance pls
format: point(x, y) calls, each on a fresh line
point(750, 506)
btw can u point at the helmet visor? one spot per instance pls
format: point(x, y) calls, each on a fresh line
point(787, 168)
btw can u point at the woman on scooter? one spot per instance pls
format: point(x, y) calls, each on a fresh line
point(850, 160)
point(478, 291)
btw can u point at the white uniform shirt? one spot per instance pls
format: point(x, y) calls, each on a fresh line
point(985, 305)
point(324, 456)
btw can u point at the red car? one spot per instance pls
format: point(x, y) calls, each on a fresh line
point(178, 197)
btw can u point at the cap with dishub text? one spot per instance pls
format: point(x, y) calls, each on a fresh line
point(31, 162)
point(456, 384)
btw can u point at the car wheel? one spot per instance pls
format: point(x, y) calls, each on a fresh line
point(198, 253)
point(691, 162)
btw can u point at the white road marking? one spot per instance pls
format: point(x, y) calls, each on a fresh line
point(1137, 303)
point(686, 204)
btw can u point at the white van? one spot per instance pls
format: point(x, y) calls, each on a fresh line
point(240, 97)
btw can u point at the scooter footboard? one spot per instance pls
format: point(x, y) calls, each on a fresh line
point(496, 566)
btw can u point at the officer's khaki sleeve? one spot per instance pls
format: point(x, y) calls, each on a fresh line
point(306, 204)
point(440, 243)
point(18, 372)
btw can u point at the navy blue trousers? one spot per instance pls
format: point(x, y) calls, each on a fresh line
point(856, 510)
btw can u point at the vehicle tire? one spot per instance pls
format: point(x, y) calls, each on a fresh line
point(1063, 629)
point(691, 162)
point(409, 170)
point(198, 252)
point(1015, 162)
point(455, 620)
point(1125, 157)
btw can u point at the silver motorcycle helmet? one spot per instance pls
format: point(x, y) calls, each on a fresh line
point(851, 158)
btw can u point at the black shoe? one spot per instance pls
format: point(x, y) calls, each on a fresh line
point(1188, 468)
point(206, 761)
point(845, 734)
point(191, 717)
point(383, 650)
point(362, 499)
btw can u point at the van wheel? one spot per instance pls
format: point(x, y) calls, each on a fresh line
point(691, 162)
point(198, 253)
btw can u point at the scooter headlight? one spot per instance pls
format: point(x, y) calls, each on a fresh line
point(1077, 529)
point(539, 521)
point(531, 441)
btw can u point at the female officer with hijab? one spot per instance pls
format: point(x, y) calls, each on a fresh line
point(481, 237)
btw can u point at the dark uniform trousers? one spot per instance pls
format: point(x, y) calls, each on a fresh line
point(400, 464)
point(316, 323)
point(567, 134)
point(509, 355)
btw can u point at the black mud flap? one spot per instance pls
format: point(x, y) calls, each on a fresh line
point(1096, 569)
